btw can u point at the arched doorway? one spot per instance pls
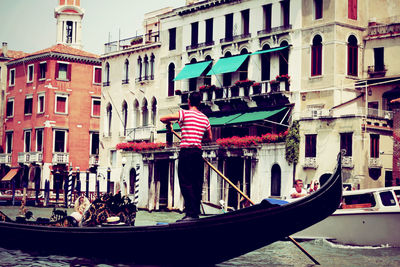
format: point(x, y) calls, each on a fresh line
point(276, 180)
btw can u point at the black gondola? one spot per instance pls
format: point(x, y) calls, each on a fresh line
point(209, 240)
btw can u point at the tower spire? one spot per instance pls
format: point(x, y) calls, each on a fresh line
point(69, 17)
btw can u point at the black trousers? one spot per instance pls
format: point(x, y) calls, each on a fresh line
point(191, 177)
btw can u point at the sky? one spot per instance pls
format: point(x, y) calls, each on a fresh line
point(30, 26)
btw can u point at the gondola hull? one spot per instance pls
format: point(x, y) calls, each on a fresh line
point(208, 240)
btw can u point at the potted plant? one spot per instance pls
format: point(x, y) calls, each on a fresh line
point(256, 88)
point(219, 92)
point(234, 90)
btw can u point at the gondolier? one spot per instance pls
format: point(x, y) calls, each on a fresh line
point(195, 125)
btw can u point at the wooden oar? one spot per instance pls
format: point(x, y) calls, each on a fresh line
point(246, 197)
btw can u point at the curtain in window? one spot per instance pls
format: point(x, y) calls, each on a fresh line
point(352, 9)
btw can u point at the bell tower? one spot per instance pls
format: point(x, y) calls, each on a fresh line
point(69, 17)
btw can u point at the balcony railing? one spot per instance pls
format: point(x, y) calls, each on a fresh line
point(60, 158)
point(106, 83)
point(310, 162)
point(374, 163)
point(384, 29)
point(370, 113)
point(377, 71)
point(347, 162)
point(30, 157)
point(94, 160)
point(140, 133)
point(152, 37)
point(126, 81)
point(5, 158)
point(200, 45)
point(235, 38)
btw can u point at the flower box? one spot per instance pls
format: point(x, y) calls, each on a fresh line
point(219, 92)
point(234, 91)
point(256, 88)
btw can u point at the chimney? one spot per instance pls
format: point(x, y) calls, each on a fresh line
point(5, 50)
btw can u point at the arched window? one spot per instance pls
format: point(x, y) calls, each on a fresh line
point(153, 111)
point(124, 117)
point(126, 71)
point(139, 69)
point(284, 59)
point(152, 67)
point(171, 76)
point(145, 113)
point(316, 56)
point(132, 181)
point(146, 67)
point(276, 180)
point(207, 79)
point(243, 70)
point(227, 77)
point(108, 120)
point(265, 64)
point(107, 74)
point(136, 114)
point(192, 81)
point(352, 56)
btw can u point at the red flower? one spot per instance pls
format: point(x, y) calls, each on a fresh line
point(142, 146)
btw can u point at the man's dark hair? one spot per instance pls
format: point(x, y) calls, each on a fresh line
point(195, 99)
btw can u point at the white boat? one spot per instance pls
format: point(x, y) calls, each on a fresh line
point(368, 217)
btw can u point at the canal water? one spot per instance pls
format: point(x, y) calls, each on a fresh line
point(282, 253)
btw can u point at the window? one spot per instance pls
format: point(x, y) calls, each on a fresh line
point(195, 34)
point(346, 142)
point(229, 27)
point(61, 104)
point(318, 9)
point(265, 64)
point(40, 107)
point(97, 75)
point(146, 67)
point(9, 141)
point(96, 103)
point(124, 118)
point(12, 77)
point(68, 32)
point(267, 17)
point(352, 9)
point(311, 145)
point(374, 146)
point(136, 114)
point(10, 108)
point(139, 69)
point(285, 12)
point(108, 120)
point(107, 74)
point(243, 69)
point(245, 22)
point(172, 39)
point(154, 112)
point(207, 78)
point(94, 143)
point(227, 77)
point(113, 158)
point(284, 60)
point(28, 105)
point(209, 31)
point(126, 70)
point(352, 56)
point(30, 72)
point(63, 71)
point(42, 70)
point(152, 67)
point(39, 140)
point(171, 76)
point(379, 59)
point(145, 113)
point(60, 141)
point(193, 81)
point(316, 56)
point(27, 141)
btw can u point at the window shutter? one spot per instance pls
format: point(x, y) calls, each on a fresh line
point(57, 70)
point(69, 72)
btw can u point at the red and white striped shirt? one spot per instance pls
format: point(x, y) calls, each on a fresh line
point(193, 124)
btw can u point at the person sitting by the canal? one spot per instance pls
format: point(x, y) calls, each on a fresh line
point(298, 190)
point(314, 186)
point(195, 125)
point(81, 205)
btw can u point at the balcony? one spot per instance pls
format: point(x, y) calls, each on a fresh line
point(240, 37)
point(94, 160)
point(60, 158)
point(106, 83)
point(200, 45)
point(5, 158)
point(310, 163)
point(374, 163)
point(385, 30)
point(274, 30)
point(377, 71)
point(30, 157)
point(347, 162)
point(145, 133)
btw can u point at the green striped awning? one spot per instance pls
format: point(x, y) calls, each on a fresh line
point(255, 116)
point(217, 121)
point(227, 64)
point(192, 70)
point(270, 50)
